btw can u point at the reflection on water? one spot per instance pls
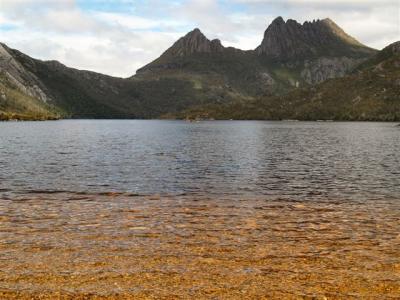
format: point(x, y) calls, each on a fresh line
point(222, 210)
point(297, 160)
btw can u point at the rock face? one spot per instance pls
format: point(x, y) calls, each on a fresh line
point(320, 49)
point(194, 42)
point(321, 69)
point(291, 40)
point(24, 80)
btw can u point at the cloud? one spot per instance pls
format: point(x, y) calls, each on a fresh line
point(117, 37)
point(112, 43)
point(331, 4)
point(375, 23)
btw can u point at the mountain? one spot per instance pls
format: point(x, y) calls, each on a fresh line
point(217, 73)
point(74, 92)
point(290, 55)
point(22, 95)
point(311, 52)
point(194, 71)
point(286, 41)
point(194, 42)
point(370, 93)
point(84, 94)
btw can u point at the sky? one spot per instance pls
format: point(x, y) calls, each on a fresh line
point(117, 37)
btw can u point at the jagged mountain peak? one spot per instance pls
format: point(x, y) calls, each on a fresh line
point(292, 40)
point(195, 33)
point(278, 20)
point(281, 21)
point(194, 42)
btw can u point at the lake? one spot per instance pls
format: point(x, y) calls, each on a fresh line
point(107, 209)
point(298, 160)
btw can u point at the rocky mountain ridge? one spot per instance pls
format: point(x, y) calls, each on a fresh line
point(291, 54)
point(291, 40)
point(370, 93)
point(195, 42)
point(193, 71)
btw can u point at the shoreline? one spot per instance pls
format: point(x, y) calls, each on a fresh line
point(29, 119)
point(14, 117)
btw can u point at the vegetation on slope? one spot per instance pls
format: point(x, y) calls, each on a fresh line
point(84, 94)
point(372, 93)
point(15, 105)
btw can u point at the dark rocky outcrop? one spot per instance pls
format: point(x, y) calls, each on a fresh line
point(291, 40)
point(194, 42)
point(320, 49)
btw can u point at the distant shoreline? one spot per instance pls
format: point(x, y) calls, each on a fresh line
point(29, 119)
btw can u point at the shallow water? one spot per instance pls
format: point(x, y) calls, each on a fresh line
point(121, 246)
point(221, 210)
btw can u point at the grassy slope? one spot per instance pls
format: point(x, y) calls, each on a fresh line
point(83, 94)
point(371, 93)
point(215, 78)
point(15, 105)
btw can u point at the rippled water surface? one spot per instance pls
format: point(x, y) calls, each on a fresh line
point(209, 210)
point(300, 160)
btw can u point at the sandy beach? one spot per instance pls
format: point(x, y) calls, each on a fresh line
point(119, 246)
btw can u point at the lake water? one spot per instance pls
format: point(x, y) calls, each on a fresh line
point(210, 210)
point(297, 160)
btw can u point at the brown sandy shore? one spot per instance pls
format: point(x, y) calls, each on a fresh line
point(77, 246)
